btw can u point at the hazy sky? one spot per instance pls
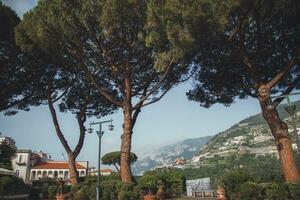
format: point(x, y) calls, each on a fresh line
point(172, 119)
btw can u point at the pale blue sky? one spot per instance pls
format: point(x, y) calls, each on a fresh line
point(20, 6)
point(172, 119)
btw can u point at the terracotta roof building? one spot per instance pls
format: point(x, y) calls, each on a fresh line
point(55, 165)
point(56, 169)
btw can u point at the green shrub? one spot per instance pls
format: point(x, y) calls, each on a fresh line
point(12, 185)
point(129, 192)
point(276, 191)
point(148, 182)
point(113, 188)
point(123, 195)
point(250, 190)
point(173, 182)
point(52, 190)
point(110, 189)
point(294, 191)
point(232, 182)
point(84, 190)
point(34, 193)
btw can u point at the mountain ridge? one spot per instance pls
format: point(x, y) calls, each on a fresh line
point(251, 134)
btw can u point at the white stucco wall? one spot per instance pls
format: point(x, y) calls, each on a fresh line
point(21, 165)
point(36, 174)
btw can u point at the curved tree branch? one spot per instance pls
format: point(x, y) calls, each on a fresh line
point(277, 101)
point(281, 74)
point(81, 118)
point(158, 85)
point(103, 92)
point(56, 124)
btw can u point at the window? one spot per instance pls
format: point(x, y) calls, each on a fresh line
point(55, 174)
point(20, 158)
point(33, 175)
point(82, 173)
point(66, 175)
point(50, 174)
point(17, 173)
point(44, 174)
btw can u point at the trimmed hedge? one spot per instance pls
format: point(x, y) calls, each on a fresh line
point(10, 185)
point(239, 185)
point(172, 181)
point(111, 188)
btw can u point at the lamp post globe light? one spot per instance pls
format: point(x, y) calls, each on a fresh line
point(100, 134)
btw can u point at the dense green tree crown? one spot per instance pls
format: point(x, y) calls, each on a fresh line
point(260, 41)
point(175, 27)
point(237, 45)
point(6, 154)
point(9, 62)
point(114, 158)
point(28, 78)
point(103, 39)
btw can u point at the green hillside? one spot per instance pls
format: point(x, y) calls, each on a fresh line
point(258, 118)
point(251, 133)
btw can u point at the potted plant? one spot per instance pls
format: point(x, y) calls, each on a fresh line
point(160, 194)
point(60, 190)
point(151, 190)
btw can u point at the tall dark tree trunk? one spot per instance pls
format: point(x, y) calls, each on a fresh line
point(72, 155)
point(125, 168)
point(283, 141)
point(74, 178)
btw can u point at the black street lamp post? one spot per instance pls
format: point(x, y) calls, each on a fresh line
point(100, 134)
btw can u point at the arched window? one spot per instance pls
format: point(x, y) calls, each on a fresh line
point(39, 174)
point(33, 173)
point(55, 174)
point(44, 174)
point(82, 173)
point(66, 175)
point(50, 174)
point(17, 173)
point(61, 174)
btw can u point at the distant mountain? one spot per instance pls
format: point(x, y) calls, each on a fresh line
point(250, 135)
point(166, 156)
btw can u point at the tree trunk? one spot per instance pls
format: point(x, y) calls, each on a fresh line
point(283, 141)
point(125, 168)
point(74, 179)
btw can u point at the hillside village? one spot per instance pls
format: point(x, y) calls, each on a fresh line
point(250, 135)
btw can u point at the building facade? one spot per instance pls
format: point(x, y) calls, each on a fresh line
point(31, 166)
point(103, 172)
point(24, 160)
point(56, 169)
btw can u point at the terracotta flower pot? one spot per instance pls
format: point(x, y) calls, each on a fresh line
point(62, 197)
point(149, 197)
point(221, 194)
point(160, 194)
